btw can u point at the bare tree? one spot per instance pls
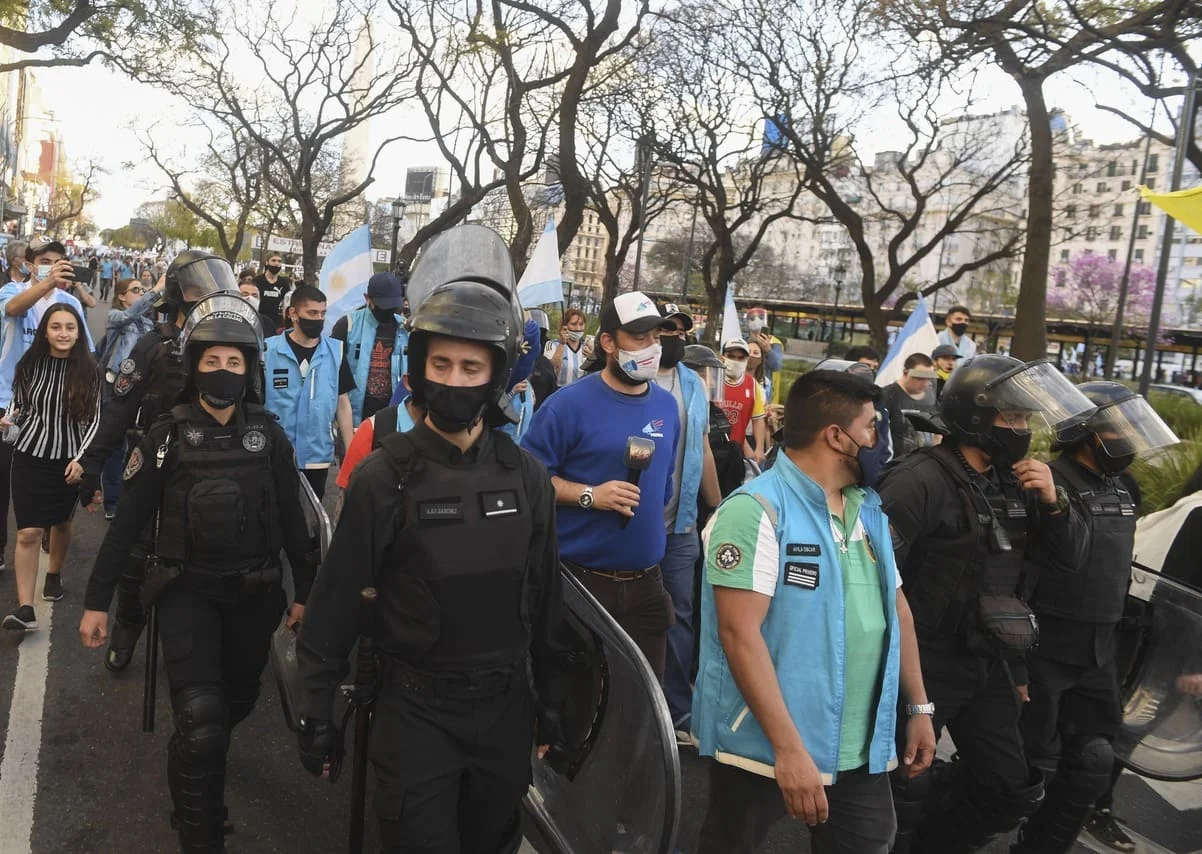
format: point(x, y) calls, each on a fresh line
point(317, 86)
point(71, 196)
point(1032, 41)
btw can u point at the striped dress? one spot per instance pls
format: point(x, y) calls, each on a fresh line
point(47, 431)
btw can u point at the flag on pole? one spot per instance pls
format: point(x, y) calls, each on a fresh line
point(542, 283)
point(344, 275)
point(730, 317)
point(917, 336)
point(1185, 206)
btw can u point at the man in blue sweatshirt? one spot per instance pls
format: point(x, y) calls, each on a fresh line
point(807, 639)
point(611, 531)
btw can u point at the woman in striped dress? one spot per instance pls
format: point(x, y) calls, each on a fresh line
point(56, 403)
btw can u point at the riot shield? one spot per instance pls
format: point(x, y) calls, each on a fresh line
point(1160, 669)
point(615, 784)
point(283, 643)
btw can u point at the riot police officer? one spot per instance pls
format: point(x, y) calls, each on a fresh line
point(147, 385)
point(215, 480)
point(454, 525)
point(1074, 713)
point(965, 517)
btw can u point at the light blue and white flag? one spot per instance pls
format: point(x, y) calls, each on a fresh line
point(916, 336)
point(542, 283)
point(345, 273)
point(730, 317)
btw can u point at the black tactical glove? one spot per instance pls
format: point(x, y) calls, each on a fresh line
point(88, 487)
point(316, 740)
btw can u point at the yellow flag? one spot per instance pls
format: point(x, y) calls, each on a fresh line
point(1184, 205)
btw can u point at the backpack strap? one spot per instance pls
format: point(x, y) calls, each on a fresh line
point(508, 452)
point(384, 425)
point(768, 508)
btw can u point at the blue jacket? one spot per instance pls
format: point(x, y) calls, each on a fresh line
point(805, 634)
point(306, 407)
point(523, 404)
point(361, 327)
point(696, 435)
point(128, 325)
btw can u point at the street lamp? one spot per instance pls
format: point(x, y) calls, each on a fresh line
point(398, 211)
point(839, 272)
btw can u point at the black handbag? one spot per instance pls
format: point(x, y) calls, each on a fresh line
point(1007, 622)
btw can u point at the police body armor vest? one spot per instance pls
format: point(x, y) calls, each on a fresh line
point(453, 585)
point(220, 513)
point(168, 380)
point(950, 573)
point(1097, 592)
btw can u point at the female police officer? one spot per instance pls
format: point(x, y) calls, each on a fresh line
point(217, 481)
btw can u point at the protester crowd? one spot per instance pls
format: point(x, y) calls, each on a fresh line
point(791, 561)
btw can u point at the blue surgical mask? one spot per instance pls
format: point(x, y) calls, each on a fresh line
point(870, 458)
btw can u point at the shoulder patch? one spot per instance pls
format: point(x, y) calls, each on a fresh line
point(254, 441)
point(125, 382)
point(128, 366)
point(134, 465)
point(194, 436)
point(728, 556)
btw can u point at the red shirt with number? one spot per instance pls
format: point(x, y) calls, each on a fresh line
point(742, 401)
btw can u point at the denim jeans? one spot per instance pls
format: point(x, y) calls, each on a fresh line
point(679, 565)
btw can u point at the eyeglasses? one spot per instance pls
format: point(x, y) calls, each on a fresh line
point(135, 289)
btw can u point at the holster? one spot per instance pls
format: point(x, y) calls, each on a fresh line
point(159, 577)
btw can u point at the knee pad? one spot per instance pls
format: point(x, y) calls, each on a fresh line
point(1086, 767)
point(202, 722)
point(1012, 807)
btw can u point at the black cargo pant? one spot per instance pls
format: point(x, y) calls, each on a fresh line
point(744, 806)
point(639, 604)
point(215, 646)
point(451, 769)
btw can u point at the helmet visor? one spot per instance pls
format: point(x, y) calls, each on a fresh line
point(205, 277)
point(1131, 426)
point(223, 318)
point(1037, 388)
point(538, 316)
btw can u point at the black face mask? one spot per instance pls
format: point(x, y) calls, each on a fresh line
point(273, 268)
point(671, 351)
point(1111, 465)
point(310, 328)
point(870, 459)
point(1006, 447)
point(959, 329)
point(383, 315)
point(220, 389)
point(453, 408)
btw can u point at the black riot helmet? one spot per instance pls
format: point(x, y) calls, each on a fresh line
point(224, 318)
point(195, 273)
point(1124, 423)
point(984, 386)
point(463, 286)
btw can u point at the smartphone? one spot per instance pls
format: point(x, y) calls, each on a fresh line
point(44, 272)
point(82, 273)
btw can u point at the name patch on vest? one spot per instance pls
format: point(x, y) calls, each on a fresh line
point(442, 510)
point(803, 575)
point(803, 550)
point(279, 378)
point(502, 503)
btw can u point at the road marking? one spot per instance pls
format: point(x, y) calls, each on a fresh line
point(19, 768)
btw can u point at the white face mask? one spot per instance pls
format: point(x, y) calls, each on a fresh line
point(755, 325)
point(254, 301)
point(640, 365)
point(574, 335)
point(735, 369)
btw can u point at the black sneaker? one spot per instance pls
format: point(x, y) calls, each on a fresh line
point(22, 619)
point(1107, 831)
point(52, 588)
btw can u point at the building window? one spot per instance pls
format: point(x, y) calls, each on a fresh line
point(1070, 211)
point(1139, 255)
point(1134, 167)
point(1112, 254)
point(1153, 163)
point(1142, 233)
point(1151, 182)
point(1126, 185)
point(1091, 233)
point(1116, 232)
point(1145, 208)
point(1076, 189)
point(1118, 210)
point(1112, 169)
point(1101, 186)
point(1063, 256)
point(1094, 211)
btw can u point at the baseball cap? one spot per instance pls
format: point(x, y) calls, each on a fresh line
point(631, 312)
point(946, 350)
point(736, 344)
point(44, 243)
point(671, 310)
point(386, 290)
point(921, 372)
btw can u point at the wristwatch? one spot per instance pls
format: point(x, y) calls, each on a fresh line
point(1061, 503)
point(586, 498)
point(919, 709)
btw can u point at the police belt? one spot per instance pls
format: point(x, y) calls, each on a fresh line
point(446, 686)
point(232, 583)
point(611, 574)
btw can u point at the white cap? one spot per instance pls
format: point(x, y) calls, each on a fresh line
point(736, 343)
point(632, 312)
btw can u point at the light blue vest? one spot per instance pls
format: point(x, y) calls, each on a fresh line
point(524, 405)
point(696, 435)
point(361, 326)
point(306, 407)
point(805, 633)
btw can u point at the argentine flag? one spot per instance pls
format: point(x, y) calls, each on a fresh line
point(344, 275)
point(730, 317)
point(542, 283)
point(917, 336)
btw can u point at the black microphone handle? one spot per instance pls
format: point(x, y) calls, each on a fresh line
point(632, 477)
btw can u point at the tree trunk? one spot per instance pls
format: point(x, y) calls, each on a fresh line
point(878, 324)
point(717, 306)
point(1030, 320)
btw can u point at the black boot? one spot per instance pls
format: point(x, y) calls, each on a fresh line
point(971, 817)
point(198, 792)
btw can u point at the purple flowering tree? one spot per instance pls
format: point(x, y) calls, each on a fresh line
point(1086, 289)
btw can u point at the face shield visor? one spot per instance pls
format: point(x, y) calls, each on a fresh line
point(204, 277)
point(538, 316)
point(1035, 394)
point(1131, 426)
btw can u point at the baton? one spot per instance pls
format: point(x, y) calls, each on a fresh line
point(363, 698)
point(150, 680)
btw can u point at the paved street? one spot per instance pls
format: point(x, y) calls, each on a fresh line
point(77, 775)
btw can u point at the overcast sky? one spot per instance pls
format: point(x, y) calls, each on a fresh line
point(99, 112)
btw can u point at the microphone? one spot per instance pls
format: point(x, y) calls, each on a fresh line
point(638, 459)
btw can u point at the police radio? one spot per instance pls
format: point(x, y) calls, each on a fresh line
point(638, 459)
